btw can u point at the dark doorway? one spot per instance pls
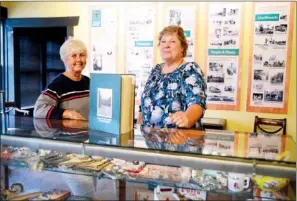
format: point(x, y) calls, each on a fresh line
point(37, 61)
point(31, 56)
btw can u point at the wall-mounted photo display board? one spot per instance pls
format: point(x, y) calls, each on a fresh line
point(140, 45)
point(224, 55)
point(270, 57)
point(184, 16)
point(103, 39)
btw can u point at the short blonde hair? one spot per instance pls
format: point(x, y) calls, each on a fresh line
point(180, 35)
point(71, 46)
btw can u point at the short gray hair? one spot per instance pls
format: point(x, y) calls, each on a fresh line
point(71, 46)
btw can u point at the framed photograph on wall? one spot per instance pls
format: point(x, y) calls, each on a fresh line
point(270, 57)
point(142, 194)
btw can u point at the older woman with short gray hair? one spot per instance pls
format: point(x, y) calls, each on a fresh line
point(67, 96)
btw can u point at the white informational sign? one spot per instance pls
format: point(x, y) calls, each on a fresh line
point(139, 40)
point(264, 146)
point(223, 52)
point(103, 40)
point(270, 54)
point(184, 16)
point(222, 144)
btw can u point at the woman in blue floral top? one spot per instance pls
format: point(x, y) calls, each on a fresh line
point(174, 95)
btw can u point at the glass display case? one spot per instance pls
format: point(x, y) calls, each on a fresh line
point(178, 164)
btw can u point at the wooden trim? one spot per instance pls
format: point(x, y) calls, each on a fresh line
point(196, 32)
point(240, 57)
point(235, 107)
point(204, 67)
point(283, 143)
point(236, 144)
point(245, 145)
point(42, 22)
point(262, 109)
point(251, 52)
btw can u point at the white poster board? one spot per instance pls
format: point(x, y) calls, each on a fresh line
point(184, 16)
point(103, 40)
point(139, 40)
point(223, 56)
point(269, 65)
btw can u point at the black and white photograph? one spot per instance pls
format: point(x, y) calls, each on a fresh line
point(272, 41)
point(258, 86)
point(283, 17)
point(216, 67)
point(233, 11)
point(220, 98)
point(274, 62)
point(229, 42)
point(217, 33)
point(257, 97)
point(282, 28)
point(175, 17)
point(229, 88)
point(261, 75)
point(215, 89)
point(230, 22)
point(231, 69)
point(221, 13)
point(280, 43)
point(96, 60)
point(216, 78)
point(228, 31)
point(277, 78)
point(214, 98)
point(258, 58)
point(273, 95)
point(104, 102)
point(97, 63)
point(264, 29)
point(228, 98)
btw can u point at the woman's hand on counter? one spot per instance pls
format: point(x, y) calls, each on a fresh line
point(180, 119)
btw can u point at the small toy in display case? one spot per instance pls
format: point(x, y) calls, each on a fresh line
point(270, 184)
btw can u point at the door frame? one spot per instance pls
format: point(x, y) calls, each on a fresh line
point(9, 46)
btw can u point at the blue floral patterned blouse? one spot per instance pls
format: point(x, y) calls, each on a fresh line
point(172, 92)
